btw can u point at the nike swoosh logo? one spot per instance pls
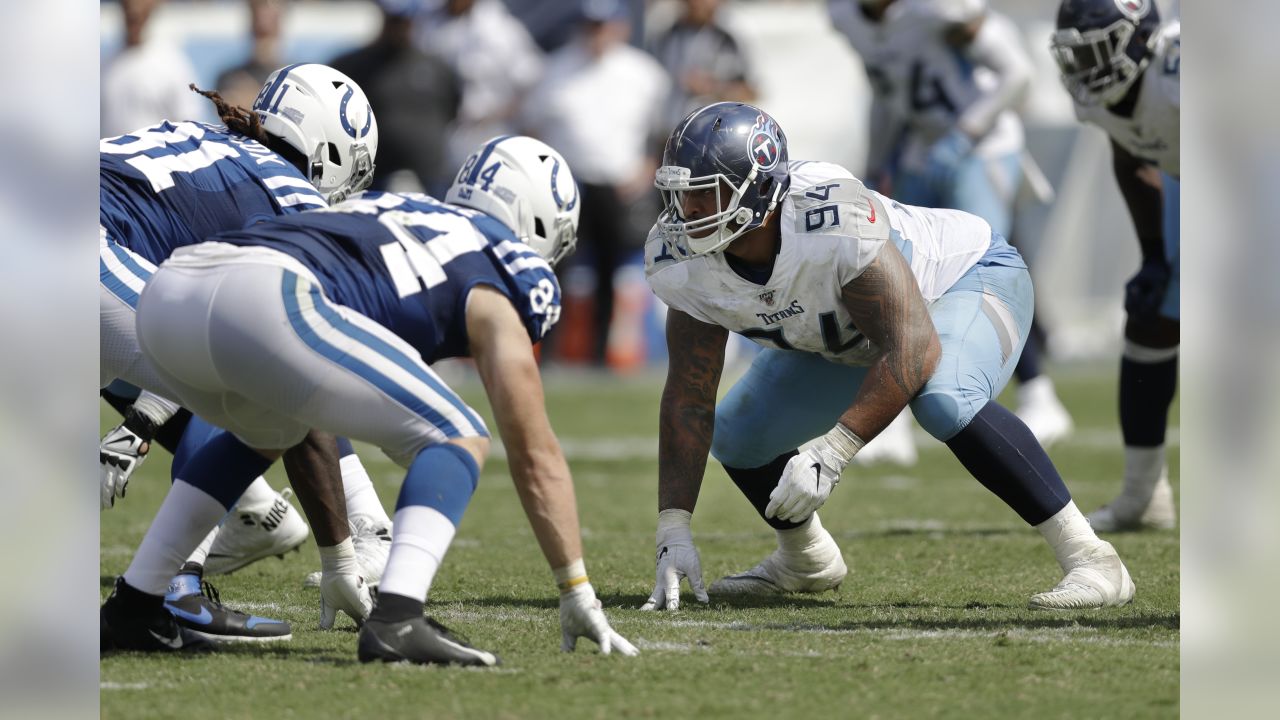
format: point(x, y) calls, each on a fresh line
point(175, 643)
point(664, 552)
point(203, 618)
point(872, 217)
point(817, 481)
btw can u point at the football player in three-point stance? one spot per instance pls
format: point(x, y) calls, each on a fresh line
point(1122, 68)
point(310, 139)
point(328, 320)
point(864, 307)
point(947, 77)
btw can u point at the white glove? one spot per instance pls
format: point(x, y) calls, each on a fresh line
point(120, 453)
point(346, 592)
point(581, 616)
point(809, 477)
point(677, 558)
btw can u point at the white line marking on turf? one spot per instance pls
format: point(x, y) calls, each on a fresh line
point(123, 686)
point(1067, 634)
point(645, 447)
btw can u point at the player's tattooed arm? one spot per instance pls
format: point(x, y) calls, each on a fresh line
point(687, 415)
point(886, 305)
point(1140, 185)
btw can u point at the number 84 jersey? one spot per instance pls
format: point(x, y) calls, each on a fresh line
point(832, 229)
point(408, 262)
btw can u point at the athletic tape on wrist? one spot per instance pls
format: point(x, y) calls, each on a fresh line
point(571, 576)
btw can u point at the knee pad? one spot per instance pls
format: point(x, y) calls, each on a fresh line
point(942, 415)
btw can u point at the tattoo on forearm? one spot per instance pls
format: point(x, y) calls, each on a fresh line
point(687, 417)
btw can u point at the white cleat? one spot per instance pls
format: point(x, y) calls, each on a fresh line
point(1126, 513)
point(895, 444)
point(372, 543)
point(1042, 412)
point(1099, 581)
point(818, 568)
point(253, 533)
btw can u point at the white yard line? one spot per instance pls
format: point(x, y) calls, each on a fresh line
point(645, 447)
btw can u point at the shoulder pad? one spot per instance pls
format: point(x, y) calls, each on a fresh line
point(841, 206)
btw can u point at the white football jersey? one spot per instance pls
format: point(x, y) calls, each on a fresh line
point(1152, 132)
point(926, 82)
point(833, 227)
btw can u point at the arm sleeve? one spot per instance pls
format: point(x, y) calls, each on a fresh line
point(998, 47)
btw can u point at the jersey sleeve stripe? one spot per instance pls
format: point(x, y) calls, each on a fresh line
point(121, 272)
point(279, 181)
point(300, 199)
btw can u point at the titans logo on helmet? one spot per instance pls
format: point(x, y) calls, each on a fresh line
point(1134, 9)
point(763, 143)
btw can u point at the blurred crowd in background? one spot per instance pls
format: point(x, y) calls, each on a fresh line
point(445, 75)
point(603, 81)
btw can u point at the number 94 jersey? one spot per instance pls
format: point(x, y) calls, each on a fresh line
point(408, 262)
point(832, 229)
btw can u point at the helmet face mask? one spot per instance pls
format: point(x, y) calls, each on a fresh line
point(1095, 68)
point(1102, 47)
point(324, 116)
point(724, 170)
point(528, 187)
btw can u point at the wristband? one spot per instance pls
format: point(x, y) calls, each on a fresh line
point(571, 576)
point(340, 559)
point(844, 443)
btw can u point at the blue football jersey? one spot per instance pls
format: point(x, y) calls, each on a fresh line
point(407, 261)
point(176, 184)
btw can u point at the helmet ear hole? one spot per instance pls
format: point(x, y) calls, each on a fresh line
point(538, 228)
point(334, 156)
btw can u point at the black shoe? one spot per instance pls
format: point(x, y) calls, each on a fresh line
point(418, 640)
point(129, 620)
point(196, 607)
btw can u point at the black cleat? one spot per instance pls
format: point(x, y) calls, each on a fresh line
point(197, 608)
point(418, 640)
point(129, 621)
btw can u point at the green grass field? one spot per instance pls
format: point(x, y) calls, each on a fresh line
point(931, 622)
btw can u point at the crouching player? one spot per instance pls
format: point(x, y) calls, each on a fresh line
point(329, 320)
point(866, 306)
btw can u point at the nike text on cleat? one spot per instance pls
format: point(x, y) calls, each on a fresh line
point(197, 607)
point(418, 640)
point(252, 533)
point(1100, 580)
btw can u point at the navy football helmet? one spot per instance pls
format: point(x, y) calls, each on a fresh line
point(737, 152)
point(1102, 46)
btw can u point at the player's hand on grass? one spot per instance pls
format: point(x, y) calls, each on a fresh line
point(581, 616)
point(677, 559)
point(121, 453)
point(346, 592)
point(810, 476)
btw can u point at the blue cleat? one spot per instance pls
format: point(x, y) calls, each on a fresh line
point(197, 608)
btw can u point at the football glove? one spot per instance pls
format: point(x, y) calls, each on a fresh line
point(346, 592)
point(581, 616)
point(121, 453)
point(810, 476)
point(944, 157)
point(677, 558)
point(1144, 292)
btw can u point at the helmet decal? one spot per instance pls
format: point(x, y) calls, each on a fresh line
point(1134, 9)
point(555, 191)
point(346, 124)
point(763, 143)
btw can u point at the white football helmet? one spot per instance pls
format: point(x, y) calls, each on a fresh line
point(324, 115)
point(526, 186)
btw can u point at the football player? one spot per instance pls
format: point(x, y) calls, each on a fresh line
point(865, 307)
point(1122, 68)
point(311, 139)
point(329, 319)
point(946, 76)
